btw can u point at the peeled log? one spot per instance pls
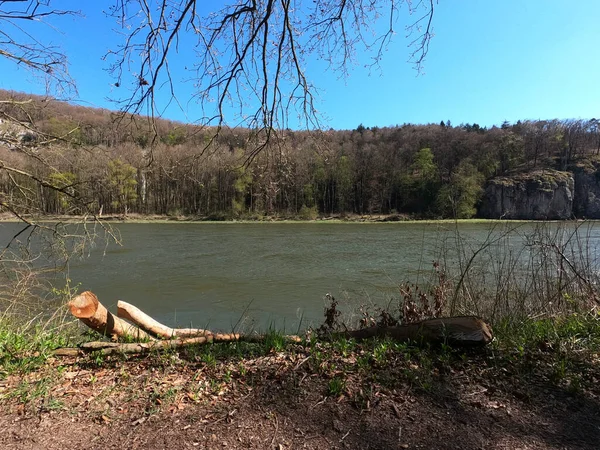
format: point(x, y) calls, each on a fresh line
point(466, 330)
point(139, 317)
point(91, 312)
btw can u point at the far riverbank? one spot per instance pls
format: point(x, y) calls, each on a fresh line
point(338, 218)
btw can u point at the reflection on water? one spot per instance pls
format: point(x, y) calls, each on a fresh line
point(210, 275)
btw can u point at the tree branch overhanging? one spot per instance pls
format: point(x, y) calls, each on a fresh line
point(251, 55)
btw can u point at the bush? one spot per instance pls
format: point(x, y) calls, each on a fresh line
point(307, 213)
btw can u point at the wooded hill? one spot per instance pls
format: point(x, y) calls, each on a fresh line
point(121, 165)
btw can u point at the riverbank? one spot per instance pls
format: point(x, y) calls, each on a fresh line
point(536, 386)
point(153, 218)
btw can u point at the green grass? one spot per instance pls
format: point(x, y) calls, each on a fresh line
point(336, 386)
point(568, 333)
point(26, 348)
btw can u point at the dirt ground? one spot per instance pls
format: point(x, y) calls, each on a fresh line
point(293, 400)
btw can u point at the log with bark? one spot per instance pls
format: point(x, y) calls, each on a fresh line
point(466, 330)
point(463, 330)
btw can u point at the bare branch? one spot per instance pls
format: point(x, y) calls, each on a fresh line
point(20, 21)
point(249, 57)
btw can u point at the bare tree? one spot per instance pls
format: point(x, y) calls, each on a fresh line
point(250, 55)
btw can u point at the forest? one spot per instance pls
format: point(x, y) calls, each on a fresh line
point(63, 159)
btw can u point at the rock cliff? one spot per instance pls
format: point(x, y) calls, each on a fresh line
point(538, 195)
point(586, 203)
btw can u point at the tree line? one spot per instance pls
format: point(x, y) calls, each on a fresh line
point(58, 158)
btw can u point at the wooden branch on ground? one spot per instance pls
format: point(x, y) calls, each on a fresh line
point(108, 348)
point(143, 320)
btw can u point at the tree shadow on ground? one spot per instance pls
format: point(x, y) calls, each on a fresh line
point(467, 409)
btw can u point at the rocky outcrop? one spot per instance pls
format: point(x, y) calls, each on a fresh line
point(538, 195)
point(586, 204)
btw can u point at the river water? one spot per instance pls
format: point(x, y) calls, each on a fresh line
point(256, 275)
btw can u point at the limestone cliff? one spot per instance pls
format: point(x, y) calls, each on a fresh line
point(586, 203)
point(538, 195)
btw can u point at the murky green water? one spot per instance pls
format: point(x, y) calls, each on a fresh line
point(213, 275)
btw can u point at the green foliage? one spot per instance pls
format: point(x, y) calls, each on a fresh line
point(63, 181)
point(511, 151)
point(63, 129)
point(421, 186)
point(424, 167)
point(123, 184)
point(459, 197)
point(26, 348)
point(343, 179)
point(307, 213)
point(570, 333)
point(243, 181)
point(336, 386)
point(176, 136)
point(410, 169)
point(308, 194)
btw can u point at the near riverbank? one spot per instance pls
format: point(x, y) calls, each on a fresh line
point(536, 386)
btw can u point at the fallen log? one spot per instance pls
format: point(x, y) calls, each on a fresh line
point(91, 312)
point(466, 330)
point(463, 330)
point(132, 313)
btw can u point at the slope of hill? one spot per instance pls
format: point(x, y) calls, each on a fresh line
point(60, 158)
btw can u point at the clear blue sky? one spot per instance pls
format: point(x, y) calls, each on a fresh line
point(490, 61)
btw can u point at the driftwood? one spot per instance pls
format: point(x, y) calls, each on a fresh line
point(467, 330)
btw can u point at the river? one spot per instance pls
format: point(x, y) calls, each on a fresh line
point(256, 275)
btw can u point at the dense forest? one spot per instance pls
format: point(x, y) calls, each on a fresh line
point(53, 153)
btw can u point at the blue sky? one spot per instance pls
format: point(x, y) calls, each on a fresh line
point(489, 61)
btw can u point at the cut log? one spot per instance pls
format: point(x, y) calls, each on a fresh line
point(144, 321)
point(90, 311)
point(466, 330)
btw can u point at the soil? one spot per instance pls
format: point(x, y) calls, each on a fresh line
point(295, 400)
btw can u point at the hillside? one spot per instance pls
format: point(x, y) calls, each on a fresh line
point(59, 158)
